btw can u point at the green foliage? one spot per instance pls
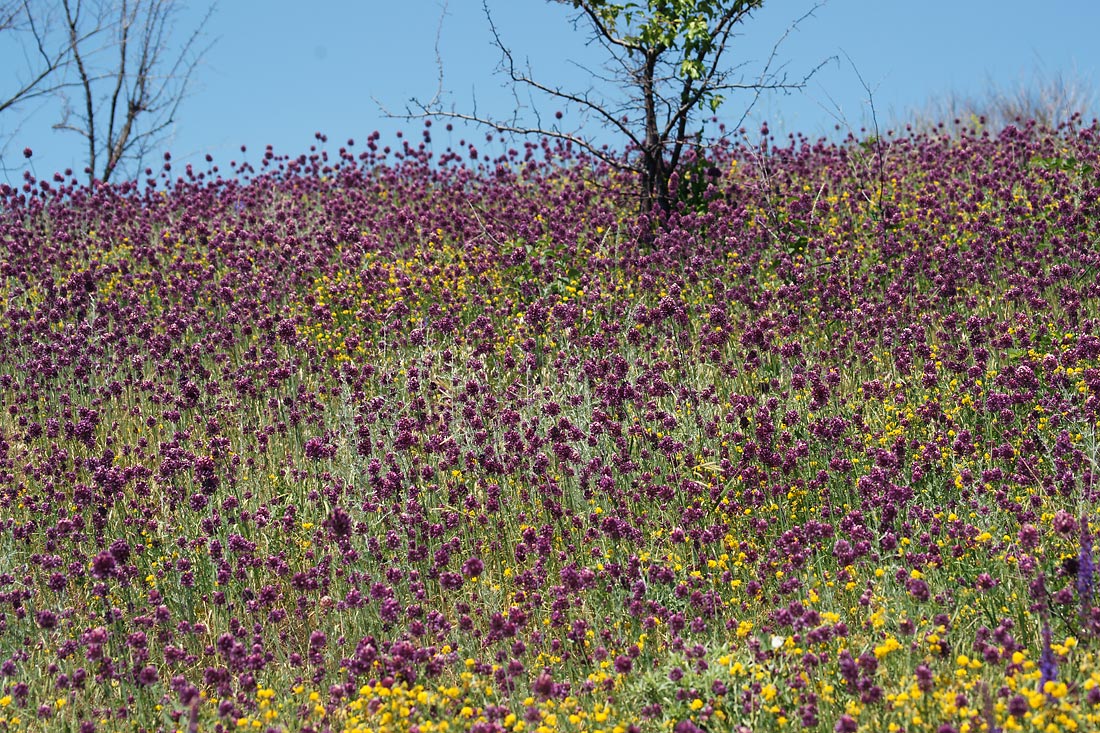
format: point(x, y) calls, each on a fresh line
point(1066, 165)
point(669, 54)
point(696, 177)
point(691, 29)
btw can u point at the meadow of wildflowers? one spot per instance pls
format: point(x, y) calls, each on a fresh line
point(371, 440)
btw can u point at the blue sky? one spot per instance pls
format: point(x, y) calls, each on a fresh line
point(278, 71)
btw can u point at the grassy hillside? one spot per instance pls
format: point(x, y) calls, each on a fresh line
point(359, 442)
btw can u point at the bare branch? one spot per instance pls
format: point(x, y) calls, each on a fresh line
point(9, 14)
point(581, 142)
point(581, 99)
point(16, 16)
point(438, 55)
point(72, 19)
point(605, 33)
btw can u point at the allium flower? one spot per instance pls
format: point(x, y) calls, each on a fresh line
point(147, 676)
point(46, 619)
point(473, 567)
point(1028, 536)
point(846, 724)
point(103, 565)
point(918, 589)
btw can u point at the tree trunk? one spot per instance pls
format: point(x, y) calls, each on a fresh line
point(654, 171)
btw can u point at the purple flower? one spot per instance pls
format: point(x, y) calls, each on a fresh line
point(1028, 536)
point(925, 678)
point(918, 588)
point(473, 567)
point(147, 676)
point(120, 550)
point(46, 619)
point(318, 448)
point(103, 565)
point(544, 686)
point(846, 724)
point(1064, 523)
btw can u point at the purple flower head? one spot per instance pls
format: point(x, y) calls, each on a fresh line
point(340, 522)
point(544, 686)
point(1064, 523)
point(846, 724)
point(120, 549)
point(103, 565)
point(147, 676)
point(473, 567)
point(918, 589)
point(318, 448)
point(925, 678)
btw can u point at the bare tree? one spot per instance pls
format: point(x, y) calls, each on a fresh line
point(667, 58)
point(129, 83)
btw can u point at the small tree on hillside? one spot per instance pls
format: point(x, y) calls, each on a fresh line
point(669, 60)
point(130, 83)
point(114, 65)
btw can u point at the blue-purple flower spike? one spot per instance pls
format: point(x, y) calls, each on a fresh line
point(1086, 569)
point(1048, 665)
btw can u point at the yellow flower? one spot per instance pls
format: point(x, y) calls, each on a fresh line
point(891, 644)
point(1057, 690)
